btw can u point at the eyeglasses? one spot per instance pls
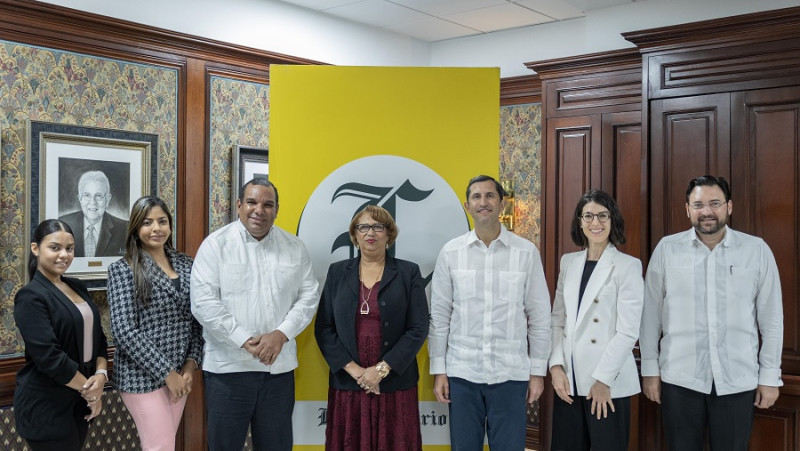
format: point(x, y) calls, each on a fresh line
point(97, 197)
point(603, 217)
point(377, 227)
point(714, 205)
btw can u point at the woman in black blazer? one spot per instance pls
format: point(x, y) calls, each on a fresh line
point(371, 323)
point(159, 343)
point(60, 388)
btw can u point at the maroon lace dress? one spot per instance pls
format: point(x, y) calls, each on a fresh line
point(368, 422)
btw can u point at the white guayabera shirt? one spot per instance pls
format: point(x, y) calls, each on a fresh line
point(490, 310)
point(706, 308)
point(243, 287)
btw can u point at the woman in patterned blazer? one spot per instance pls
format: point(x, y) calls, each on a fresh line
point(159, 343)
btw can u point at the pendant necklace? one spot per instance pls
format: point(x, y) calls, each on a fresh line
point(364, 305)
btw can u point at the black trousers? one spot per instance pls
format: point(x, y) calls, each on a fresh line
point(688, 415)
point(576, 429)
point(74, 442)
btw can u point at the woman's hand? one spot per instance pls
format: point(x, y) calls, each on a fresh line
point(600, 394)
point(95, 407)
point(92, 389)
point(187, 371)
point(177, 386)
point(370, 380)
point(561, 383)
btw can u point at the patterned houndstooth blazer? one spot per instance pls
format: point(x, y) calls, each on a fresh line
point(152, 340)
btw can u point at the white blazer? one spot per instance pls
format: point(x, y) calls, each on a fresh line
point(598, 338)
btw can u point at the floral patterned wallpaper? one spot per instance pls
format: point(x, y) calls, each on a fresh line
point(521, 162)
point(239, 116)
point(44, 84)
point(49, 85)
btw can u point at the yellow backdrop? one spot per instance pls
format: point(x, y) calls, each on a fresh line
point(323, 117)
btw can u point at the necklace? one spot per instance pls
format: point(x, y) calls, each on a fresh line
point(364, 310)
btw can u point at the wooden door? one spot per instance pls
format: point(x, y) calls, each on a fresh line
point(765, 188)
point(752, 138)
point(689, 137)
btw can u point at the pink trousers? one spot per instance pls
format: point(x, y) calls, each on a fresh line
point(156, 418)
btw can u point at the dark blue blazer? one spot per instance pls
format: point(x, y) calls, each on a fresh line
point(404, 317)
point(52, 329)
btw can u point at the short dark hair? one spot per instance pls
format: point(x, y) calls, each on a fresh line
point(710, 180)
point(482, 178)
point(260, 181)
point(617, 235)
point(45, 228)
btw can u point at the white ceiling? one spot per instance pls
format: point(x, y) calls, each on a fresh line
point(437, 20)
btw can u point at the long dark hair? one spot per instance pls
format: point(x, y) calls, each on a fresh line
point(44, 228)
point(137, 258)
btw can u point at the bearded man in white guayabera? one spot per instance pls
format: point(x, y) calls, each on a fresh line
point(712, 295)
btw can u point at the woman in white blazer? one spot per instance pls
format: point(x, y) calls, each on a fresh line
point(596, 316)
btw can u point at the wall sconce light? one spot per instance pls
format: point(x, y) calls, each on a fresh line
point(507, 217)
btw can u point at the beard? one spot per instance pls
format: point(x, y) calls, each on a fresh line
point(711, 229)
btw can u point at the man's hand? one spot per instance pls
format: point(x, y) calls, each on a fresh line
point(535, 388)
point(441, 387)
point(766, 396)
point(266, 347)
point(651, 386)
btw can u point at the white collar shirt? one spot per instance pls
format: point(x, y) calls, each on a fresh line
point(242, 287)
point(704, 310)
point(490, 310)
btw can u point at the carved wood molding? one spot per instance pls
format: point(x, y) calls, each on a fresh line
point(732, 68)
point(58, 27)
point(519, 90)
point(592, 63)
point(736, 30)
point(610, 93)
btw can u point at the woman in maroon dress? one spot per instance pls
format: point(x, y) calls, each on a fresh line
point(371, 323)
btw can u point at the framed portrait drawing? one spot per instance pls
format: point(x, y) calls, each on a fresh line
point(247, 164)
point(88, 178)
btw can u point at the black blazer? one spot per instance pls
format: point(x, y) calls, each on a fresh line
point(52, 329)
point(110, 239)
point(403, 312)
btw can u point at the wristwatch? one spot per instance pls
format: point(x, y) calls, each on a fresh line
point(383, 369)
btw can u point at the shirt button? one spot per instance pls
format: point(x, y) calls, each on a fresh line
point(596, 301)
point(386, 343)
point(386, 324)
point(595, 320)
point(594, 341)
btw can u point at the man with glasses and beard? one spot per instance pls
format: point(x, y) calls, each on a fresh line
point(710, 292)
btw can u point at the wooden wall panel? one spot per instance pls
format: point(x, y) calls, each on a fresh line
point(624, 169)
point(729, 69)
point(766, 152)
point(690, 136)
point(618, 92)
point(575, 168)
